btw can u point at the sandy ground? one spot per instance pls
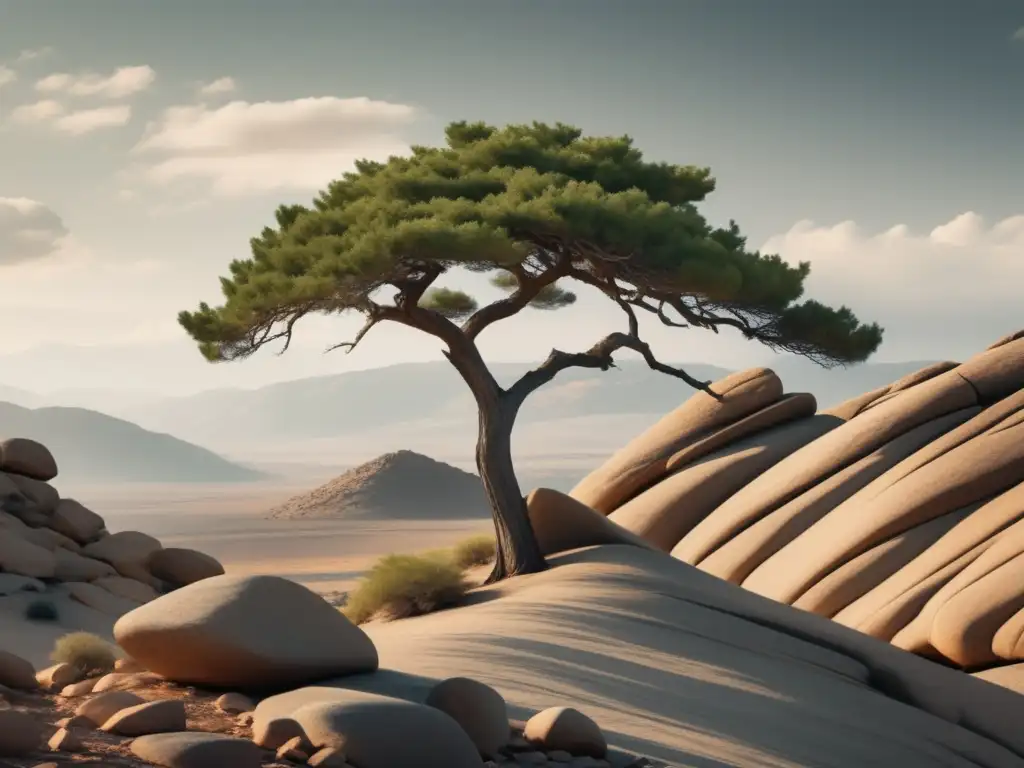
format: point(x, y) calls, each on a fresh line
point(227, 522)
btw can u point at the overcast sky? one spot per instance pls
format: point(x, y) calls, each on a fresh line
point(143, 143)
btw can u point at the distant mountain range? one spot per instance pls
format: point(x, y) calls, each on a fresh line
point(92, 447)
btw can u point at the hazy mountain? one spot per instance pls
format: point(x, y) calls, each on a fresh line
point(93, 447)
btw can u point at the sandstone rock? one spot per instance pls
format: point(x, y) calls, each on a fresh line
point(996, 372)
point(17, 673)
point(12, 584)
point(20, 734)
point(11, 497)
point(71, 566)
point(58, 676)
point(561, 523)
point(99, 709)
point(65, 741)
point(131, 589)
point(272, 732)
point(1006, 339)
point(152, 717)
point(226, 631)
point(76, 721)
point(99, 598)
point(126, 681)
point(1011, 676)
point(27, 457)
point(49, 539)
point(24, 558)
point(1008, 641)
point(197, 750)
point(235, 703)
point(82, 688)
point(76, 521)
point(128, 664)
point(292, 750)
point(644, 459)
point(478, 708)
point(42, 496)
point(365, 726)
point(127, 551)
point(329, 757)
point(182, 567)
point(567, 729)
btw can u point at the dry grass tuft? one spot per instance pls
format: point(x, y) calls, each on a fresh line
point(400, 586)
point(90, 653)
point(475, 551)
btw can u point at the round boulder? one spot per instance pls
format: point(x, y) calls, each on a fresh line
point(197, 750)
point(381, 732)
point(20, 734)
point(76, 521)
point(244, 632)
point(16, 672)
point(478, 708)
point(27, 457)
point(182, 567)
point(566, 729)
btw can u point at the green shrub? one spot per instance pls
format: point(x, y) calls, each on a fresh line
point(86, 651)
point(399, 586)
point(476, 550)
point(41, 610)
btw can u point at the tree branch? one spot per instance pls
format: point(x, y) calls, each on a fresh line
point(598, 356)
point(372, 319)
point(529, 287)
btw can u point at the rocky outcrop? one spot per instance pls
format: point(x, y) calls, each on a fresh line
point(901, 517)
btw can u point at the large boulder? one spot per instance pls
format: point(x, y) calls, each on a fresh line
point(76, 521)
point(27, 457)
point(42, 498)
point(246, 632)
point(645, 458)
point(181, 567)
point(71, 566)
point(561, 523)
point(22, 557)
point(197, 750)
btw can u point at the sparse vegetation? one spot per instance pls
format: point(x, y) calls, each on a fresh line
point(89, 652)
point(400, 586)
point(475, 551)
point(41, 610)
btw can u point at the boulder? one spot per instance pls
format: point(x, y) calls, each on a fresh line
point(1010, 676)
point(58, 677)
point(126, 681)
point(65, 741)
point(131, 589)
point(273, 732)
point(24, 558)
point(182, 567)
point(478, 708)
point(42, 497)
point(99, 599)
point(71, 566)
point(123, 547)
point(197, 750)
point(997, 372)
point(11, 497)
point(20, 734)
point(79, 689)
point(566, 729)
point(47, 538)
point(857, 405)
point(364, 725)
point(561, 523)
point(244, 632)
point(17, 673)
point(76, 521)
point(100, 708)
point(27, 457)
point(1006, 339)
point(1008, 641)
point(644, 459)
point(235, 703)
point(166, 716)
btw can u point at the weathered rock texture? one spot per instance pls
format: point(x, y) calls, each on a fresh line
point(899, 512)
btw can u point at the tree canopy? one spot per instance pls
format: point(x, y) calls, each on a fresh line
point(537, 206)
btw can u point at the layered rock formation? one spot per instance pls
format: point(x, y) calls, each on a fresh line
point(899, 513)
point(56, 552)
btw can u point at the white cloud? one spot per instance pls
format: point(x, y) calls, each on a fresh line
point(88, 120)
point(29, 231)
point(218, 86)
point(7, 76)
point(38, 112)
point(122, 82)
point(245, 148)
point(959, 284)
point(31, 54)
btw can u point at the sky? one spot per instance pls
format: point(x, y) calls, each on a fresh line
point(143, 143)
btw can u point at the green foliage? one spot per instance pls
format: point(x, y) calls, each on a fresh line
point(518, 201)
point(42, 610)
point(88, 652)
point(400, 586)
point(474, 551)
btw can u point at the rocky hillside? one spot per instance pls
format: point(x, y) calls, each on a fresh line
point(403, 485)
point(899, 513)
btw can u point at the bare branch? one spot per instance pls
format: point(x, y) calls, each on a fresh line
point(529, 287)
point(371, 320)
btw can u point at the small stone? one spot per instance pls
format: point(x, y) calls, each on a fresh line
point(235, 703)
point(126, 681)
point(65, 741)
point(76, 721)
point(58, 677)
point(329, 757)
point(559, 756)
point(293, 750)
point(151, 717)
point(79, 689)
point(99, 709)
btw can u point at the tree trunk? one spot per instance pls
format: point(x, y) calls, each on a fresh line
point(517, 550)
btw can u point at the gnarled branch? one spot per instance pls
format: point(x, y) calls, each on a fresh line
point(529, 288)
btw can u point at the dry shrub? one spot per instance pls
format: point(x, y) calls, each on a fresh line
point(474, 551)
point(400, 586)
point(86, 651)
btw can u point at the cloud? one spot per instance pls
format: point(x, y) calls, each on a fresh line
point(88, 120)
point(31, 54)
point(29, 231)
point(122, 82)
point(950, 291)
point(245, 148)
point(218, 86)
point(38, 112)
point(7, 76)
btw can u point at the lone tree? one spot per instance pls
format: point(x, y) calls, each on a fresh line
point(536, 205)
